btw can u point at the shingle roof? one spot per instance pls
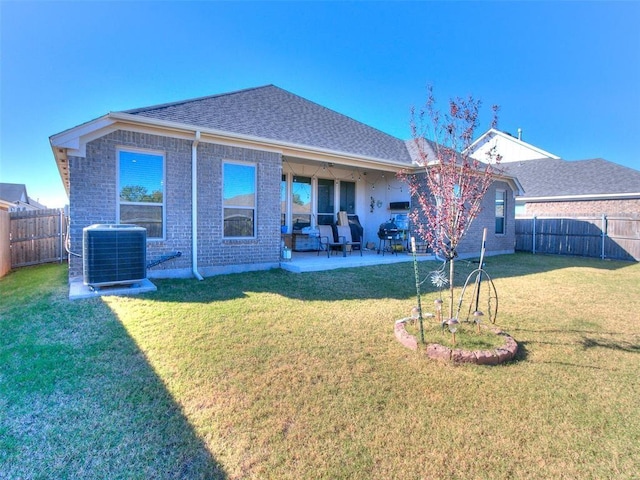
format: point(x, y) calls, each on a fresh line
point(272, 113)
point(556, 177)
point(428, 147)
point(13, 192)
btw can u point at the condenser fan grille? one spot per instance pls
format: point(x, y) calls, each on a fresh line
point(114, 254)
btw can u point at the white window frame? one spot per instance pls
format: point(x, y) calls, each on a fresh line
point(241, 207)
point(163, 205)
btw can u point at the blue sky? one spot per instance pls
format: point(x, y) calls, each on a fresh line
point(567, 73)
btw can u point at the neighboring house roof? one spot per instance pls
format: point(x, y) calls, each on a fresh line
point(583, 179)
point(545, 176)
point(13, 192)
point(430, 148)
point(36, 204)
point(273, 113)
point(14, 195)
point(511, 149)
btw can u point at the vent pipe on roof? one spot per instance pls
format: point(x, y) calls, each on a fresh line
point(519, 134)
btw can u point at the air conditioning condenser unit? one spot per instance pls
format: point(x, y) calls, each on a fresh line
point(114, 255)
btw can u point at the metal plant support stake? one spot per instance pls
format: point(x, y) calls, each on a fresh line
point(417, 276)
point(479, 277)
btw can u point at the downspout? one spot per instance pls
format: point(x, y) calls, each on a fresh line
point(194, 206)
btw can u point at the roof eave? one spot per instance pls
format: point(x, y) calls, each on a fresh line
point(286, 148)
point(72, 142)
point(518, 190)
point(568, 198)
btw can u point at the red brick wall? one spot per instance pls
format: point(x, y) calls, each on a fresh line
point(627, 208)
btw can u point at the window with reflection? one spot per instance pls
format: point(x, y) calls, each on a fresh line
point(501, 201)
point(141, 191)
point(239, 200)
point(301, 202)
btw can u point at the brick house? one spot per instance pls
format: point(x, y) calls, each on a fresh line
point(556, 187)
point(219, 179)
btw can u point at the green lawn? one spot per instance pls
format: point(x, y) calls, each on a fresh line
point(299, 376)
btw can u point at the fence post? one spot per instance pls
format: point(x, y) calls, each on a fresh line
point(604, 235)
point(534, 236)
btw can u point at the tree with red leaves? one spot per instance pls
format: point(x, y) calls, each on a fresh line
point(447, 195)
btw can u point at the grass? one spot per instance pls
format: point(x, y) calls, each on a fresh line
point(285, 376)
point(467, 336)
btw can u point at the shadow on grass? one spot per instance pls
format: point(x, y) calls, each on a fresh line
point(520, 264)
point(523, 352)
point(612, 345)
point(396, 281)
point(360, 283)
point(79, 399)
point(577, 365)
point(568, 330)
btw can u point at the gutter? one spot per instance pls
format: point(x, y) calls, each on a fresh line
point(194, 206)
point(595, 196)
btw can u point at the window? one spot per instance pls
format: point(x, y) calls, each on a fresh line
point(348, 197)
point(239, 199)
point(141, 191)
point(326, 197)
point(501, 201)
point(301, 201)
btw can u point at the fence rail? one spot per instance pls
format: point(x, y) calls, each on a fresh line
point(603, 237)
point(37, 236)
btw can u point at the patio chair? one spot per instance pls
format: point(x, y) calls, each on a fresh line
point(327, 240)
point(344, 231)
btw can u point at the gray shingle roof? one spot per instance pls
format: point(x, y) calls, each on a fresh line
point(428, 146)
point(13, 192)
point(272, 113)
point(556, 177)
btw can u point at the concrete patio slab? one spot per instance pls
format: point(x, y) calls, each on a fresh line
point(312, 262)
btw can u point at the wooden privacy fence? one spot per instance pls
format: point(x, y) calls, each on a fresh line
point(601, 237)
point(37, 236)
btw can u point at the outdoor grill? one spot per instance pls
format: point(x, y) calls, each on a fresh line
point(389, 236)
